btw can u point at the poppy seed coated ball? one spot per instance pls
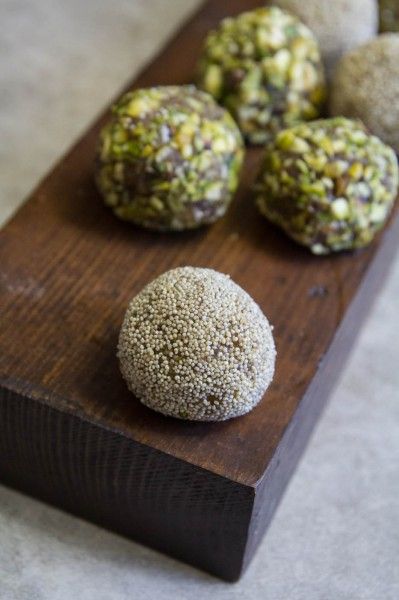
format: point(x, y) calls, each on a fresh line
point(169, 158)
point(365, 86)
point(339, 26)
point(264, 65)
point(194, 345)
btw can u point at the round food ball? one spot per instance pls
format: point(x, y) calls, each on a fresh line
point(389, 15)
point(265, 67)
point(328, 184)
point(194, 345)
point(169, 159)
point(339, 26)
point(366, 86)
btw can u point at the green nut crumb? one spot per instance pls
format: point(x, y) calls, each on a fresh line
point(169, 158)
point(334, 195)
point(264, 65)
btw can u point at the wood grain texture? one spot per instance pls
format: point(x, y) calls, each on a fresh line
point(72, 434)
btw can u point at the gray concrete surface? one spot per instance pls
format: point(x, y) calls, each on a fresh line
point(336, 533)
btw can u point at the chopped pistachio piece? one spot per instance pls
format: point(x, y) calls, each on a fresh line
point(335, 195)
point(340, 208)
point(264, 65)
point(169, 158)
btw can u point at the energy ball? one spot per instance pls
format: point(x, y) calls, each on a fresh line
point(169, 159)
point(389, 15)
point(366, 87)
point(265, 67)
point(328, 184)
point(194, 345)
point(339, 26)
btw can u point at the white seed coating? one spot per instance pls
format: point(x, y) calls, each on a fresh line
point(366, 86)
point(339, 25)
point(194, 345)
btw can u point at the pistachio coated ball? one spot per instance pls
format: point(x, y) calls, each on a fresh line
point(328, 184)
point(339, 26)
point(389, 15)
point(265, 67)
point(365, 86)
point(169, 158)
point(194, 345)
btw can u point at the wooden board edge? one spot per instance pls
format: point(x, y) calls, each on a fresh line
point(139, 492)
point(271, 487)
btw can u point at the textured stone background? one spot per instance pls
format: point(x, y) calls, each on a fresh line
point(336, 534)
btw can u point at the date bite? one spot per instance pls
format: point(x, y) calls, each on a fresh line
point(265, 67)
point(328, 184)
point(194, 345)
point(169, 158)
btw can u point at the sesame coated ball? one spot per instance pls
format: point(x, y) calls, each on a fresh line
point(328, 184)
point(265, 67)
point(169, 158)
point(194, 345)
point(339, 25)
point(366, 87)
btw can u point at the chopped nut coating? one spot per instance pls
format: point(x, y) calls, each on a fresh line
point(328, 184)
point(169, 159)
point(265, 67)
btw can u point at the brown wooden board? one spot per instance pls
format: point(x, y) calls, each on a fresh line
point(72, 434)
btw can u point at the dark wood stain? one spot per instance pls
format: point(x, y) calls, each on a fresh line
point(72, 434)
